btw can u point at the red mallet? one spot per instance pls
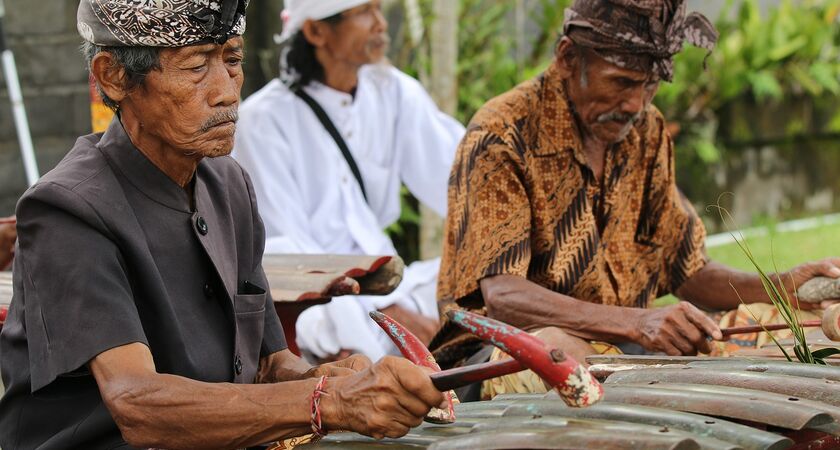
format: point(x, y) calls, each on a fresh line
point(572, 381)
point(576, 386)
point(413, 349)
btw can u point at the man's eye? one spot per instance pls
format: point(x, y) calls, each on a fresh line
point(235, 61)
point(198, 69)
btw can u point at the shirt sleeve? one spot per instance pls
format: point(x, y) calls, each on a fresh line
point(489, 222)
point(426, 139)
point(674, 223)
point(274, 338)
point(265, 154)
point(686, 254)
point(77, 296)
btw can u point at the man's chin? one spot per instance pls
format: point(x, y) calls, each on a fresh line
point(217, 148)
point(613, 136)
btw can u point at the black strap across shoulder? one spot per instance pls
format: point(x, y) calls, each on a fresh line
point(330, 127)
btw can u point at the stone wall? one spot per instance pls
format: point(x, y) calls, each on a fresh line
point(778, 162)
point(42, 35)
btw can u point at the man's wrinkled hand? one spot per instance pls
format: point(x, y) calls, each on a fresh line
point(344, 367)
point(796, 277)
point(386, 399)
point(677, 330)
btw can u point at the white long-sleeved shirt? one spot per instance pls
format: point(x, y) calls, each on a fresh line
point(309, 200)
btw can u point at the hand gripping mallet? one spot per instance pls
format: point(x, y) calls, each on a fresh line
point(572, 381)
point(413, 349)
point(830, 325)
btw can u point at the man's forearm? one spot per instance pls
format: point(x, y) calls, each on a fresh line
point(251, 415)
point(718, 287)
point(167, 411)
point(526, 305)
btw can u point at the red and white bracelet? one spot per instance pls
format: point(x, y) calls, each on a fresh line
point(317, 426)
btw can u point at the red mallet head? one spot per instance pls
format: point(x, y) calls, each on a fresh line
point(576, 386)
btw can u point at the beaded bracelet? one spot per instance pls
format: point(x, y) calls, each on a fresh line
point(317, 426)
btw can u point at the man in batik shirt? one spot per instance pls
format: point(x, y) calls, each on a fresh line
point(564, 215)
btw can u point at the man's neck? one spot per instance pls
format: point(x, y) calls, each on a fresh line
point(596, 153)
point(342, 79)
point(173, 163)
point(341, 76)
point(593, 148)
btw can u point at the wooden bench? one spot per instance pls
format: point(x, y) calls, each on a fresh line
point(300, 281)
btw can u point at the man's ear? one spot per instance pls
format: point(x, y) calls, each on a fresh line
point(109, 75)
point(565, 57)
point(315, 32)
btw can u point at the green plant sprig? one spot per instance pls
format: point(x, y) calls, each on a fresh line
point(780, 298)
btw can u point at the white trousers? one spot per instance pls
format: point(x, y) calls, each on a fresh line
point(324, 330)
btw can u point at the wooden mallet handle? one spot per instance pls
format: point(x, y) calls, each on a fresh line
point(830, 325)
point(462, 376)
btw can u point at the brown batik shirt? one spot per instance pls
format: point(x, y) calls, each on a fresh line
point(523, 201)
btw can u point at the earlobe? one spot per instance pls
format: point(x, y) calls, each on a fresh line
point(109, 76)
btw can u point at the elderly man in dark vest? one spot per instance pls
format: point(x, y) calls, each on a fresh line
point(564, 214)
point(141, 315)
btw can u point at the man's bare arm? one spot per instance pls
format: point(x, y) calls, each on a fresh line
point(676, 330)
point(526, 305)
point(718, 287)
point(166, 411)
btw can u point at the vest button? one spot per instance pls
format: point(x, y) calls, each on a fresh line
point(237, 365)
point(201, 226)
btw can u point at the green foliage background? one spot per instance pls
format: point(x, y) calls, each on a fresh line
point(791, 51)
point(763, 62)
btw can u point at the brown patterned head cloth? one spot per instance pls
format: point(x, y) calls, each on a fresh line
point(642, 35)
point(160, 23)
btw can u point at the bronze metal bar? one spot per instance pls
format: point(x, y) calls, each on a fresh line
point(812, 389)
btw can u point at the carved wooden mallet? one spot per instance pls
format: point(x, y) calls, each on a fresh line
point(830, 325)
point(576, 386)
point(815, 290)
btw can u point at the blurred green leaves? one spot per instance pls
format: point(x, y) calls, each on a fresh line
point(792, 51)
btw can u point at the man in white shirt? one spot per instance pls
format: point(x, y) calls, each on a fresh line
point(316, 197)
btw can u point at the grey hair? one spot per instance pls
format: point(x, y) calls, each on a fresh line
point(137, 61)
point(584, 66)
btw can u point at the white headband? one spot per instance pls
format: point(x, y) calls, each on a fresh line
point(297, 12)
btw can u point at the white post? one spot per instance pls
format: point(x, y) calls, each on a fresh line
point(16, 97)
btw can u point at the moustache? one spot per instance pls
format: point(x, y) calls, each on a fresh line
point(230, 115)
point(618, 117)
point(382, 40)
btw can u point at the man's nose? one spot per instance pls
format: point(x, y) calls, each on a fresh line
point(381, 24)
point(634, 102)
point(224, 86)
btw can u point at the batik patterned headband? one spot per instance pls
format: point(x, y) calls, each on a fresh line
point(160, 23)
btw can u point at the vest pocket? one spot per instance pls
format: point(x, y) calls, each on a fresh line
point(250, 325)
